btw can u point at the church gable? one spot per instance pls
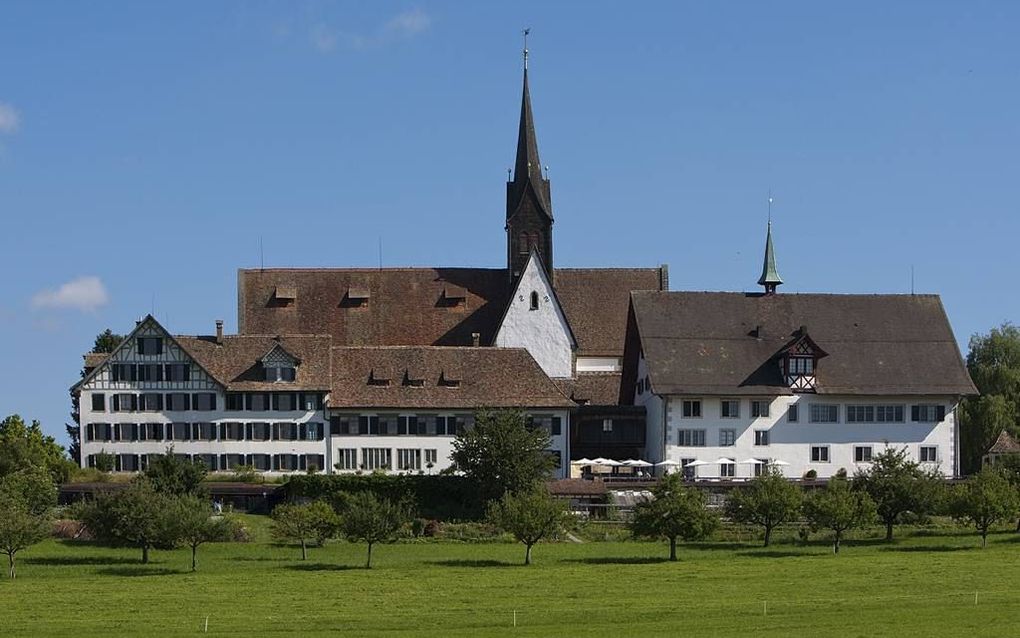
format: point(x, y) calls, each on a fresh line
point(149, 357)
point(535, 321)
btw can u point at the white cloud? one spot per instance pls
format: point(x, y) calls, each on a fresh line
point(83, 293)
point(9, 120)
point(409, 22)
point(322, 38)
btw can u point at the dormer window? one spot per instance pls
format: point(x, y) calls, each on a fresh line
point(373, 379)
point(411, 381)
point(285, 295)
point(799, 360)
point(280, 373)
point(279, 365)
point(446, 381)
point(800, 365)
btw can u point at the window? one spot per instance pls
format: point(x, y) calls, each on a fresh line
point(285, 431)
point(280, 374)
point(821, 413)
point(125, 402)
point(179, 432)
point(691, 438)
point(376, 458)
point(126, 432)
point(687, 471)
point(889, 413)
point(151, 432)
point(311, 401)
point(150, 345)
point(124, 372)
point(792, 413)
point(727, 469)
point(691, 408)
point(178, 401)
point(150, 372)
point(727, 438)
point(928, 413)
point(446, 425)
point(313, 431)
point(100, 432)
point(760, 408)
point(204, 431)
point(534, 300)
point(860, 414)
point(929, 454)
point(260, 462)
point(313, 462)
point(607, 425)
point(556, 428)
point(408, 459)
point(178, 372)
point(430, 458)
point(801, 366)
point(285, 401)
point(232, 431)
point(150, 402)
point(862, 454)
point(761, 437)
point(368, 425)
point(231, 461)
point(347, 458)
point(257, 402)
point(286, 462)
point(407, 425)
point(259, 431)
point(203, 401)
point(819, 453)
point(761, 466)
point(99, 403)
point(235, 401)
point(127, 462)
point(730, 408)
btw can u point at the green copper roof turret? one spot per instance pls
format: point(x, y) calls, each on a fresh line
point(769, 273)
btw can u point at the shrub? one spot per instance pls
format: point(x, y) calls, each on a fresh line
point(811, 474)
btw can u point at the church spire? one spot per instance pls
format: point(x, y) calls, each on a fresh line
point(527, 165)
point(769, 273)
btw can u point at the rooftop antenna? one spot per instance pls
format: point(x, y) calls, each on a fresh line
point(152, 309)
point(508, 171)
point(526, 32)
point(911, 279)
point(380, 252)
point(262, 255)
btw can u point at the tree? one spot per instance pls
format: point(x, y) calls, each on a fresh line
point(897, 485)
point(769, 501)
point(175, 476)
point(196, 524)
point(675, 511)
point(372, 520)
point(26, 499)
point(23, 446)
point(304, 523)
point(529, 516)
point(984, 500)
point(502, 453)
point(838, 508)
point(1010, 467)
point(137, 515)
point(994, 364)
point(106, 341)
point(104, 462)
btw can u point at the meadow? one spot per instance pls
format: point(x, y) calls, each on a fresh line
point(929, 582)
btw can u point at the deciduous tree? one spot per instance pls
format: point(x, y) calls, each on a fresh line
point(897, 485)
point(768, 501)
point(994, 365)
point(366, 518)
point(24, 445)
point(502, 453)
point(838, 508)
point(137, 516)
point(304, 523)
point(674, 512)
point(529, 516)
point(175, 476)
point(27, 498)
point(985, 500)
point(197, 525)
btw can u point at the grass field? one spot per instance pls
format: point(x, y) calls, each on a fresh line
point(922, 585)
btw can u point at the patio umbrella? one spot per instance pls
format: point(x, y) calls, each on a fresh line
point(722, 460)
point(582, 462)
point(697, 463)
point(777, 462)
point(637, 463)
point(610, 463)
point(667, 463)
point(752, 462)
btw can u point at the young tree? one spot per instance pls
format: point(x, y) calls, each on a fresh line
point(371, 520)
point(530, 516)
point(104, 462)
point(675, 511)
point(138, 516)
point(768, 501)
point(304, 523)
point(26, 500)
point(196, 525)
point(24, 445)
point(897, 485)
point(175, 476)
point(839, 508)
point(501, 453)
point(985, 500)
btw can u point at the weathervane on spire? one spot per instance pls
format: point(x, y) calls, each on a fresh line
point(526, 32)
point(770, 206)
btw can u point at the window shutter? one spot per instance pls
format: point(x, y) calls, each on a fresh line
point(302, 462)
point(116, 403)
point(247, 402)
point(915, 413)
point(276, 402)
point(940, 413)
point(134, 402)
point(133, 372)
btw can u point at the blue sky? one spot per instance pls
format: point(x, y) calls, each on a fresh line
point(146, 148)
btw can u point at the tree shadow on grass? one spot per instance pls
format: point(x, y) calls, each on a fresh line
point(64, 561)
point(472, 563)
point(140, 570)
point(925, 549)
point(776, 553)
point(321, 567)
point(714, 546)
point(620, 560)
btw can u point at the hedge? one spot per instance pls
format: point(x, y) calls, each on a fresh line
point(432, 496)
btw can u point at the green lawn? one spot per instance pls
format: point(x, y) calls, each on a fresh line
point(923, 584)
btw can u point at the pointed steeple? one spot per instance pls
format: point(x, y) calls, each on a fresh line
point(527, 165)
point(769, 273)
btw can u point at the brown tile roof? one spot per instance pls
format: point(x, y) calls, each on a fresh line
point(235, 362)
point(1005, 444)
point(423, 306)
point(484, 377)
point(703, 343)
point(93, 359)
point(592, 388)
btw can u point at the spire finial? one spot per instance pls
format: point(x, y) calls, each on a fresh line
point(770, 206)
point(525, 33)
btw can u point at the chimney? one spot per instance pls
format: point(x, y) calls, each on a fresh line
point(219, 331)
point(476, 339)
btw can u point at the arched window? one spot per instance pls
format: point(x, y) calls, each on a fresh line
point(522, 243)
point(534, 300)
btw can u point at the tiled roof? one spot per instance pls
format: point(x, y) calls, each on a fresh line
point(720, 343)
point(93, 359)
point(414, 306)
point(1005, 444)
point(592, 388)
point(235, 362)
point(410, 377)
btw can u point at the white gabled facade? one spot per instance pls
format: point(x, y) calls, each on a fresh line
point(149, 395)
point(535, 321)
